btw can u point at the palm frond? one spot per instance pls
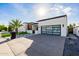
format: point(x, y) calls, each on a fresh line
point(15, 23)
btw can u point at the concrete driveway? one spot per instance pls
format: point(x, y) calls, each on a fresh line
point(46, 45)
point(15, 47)
point(34, 45)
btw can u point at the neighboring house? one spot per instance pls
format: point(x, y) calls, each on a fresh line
point(53, 26)
point(76, 30)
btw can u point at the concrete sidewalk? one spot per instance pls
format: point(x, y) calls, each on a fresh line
point(5, 50)
point(15, 47)
point(2, 39)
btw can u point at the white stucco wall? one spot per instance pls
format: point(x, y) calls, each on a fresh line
point(29, 31)
point(22, 29)
point(76, 31)
point(56, 21)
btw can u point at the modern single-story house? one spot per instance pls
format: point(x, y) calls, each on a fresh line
point(54, 26)
point(76, 30)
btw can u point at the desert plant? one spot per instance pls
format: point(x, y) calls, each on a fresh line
point(70, 28)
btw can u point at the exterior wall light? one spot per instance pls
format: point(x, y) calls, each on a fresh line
point(63, 25)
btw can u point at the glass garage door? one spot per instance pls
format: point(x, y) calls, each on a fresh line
point(52, 29)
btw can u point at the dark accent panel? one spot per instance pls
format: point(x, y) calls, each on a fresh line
point(29, 26)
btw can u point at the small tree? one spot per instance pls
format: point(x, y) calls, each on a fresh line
point(9, 28)
point(74, 25)
point(3, 27)
point(70, 28)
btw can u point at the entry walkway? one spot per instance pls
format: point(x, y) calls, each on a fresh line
point(14, 47)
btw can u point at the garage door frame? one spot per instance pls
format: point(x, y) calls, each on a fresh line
point(52, 29)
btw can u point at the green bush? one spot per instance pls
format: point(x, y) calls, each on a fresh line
point(5, 35)
point(8, 34)
point(19, 33)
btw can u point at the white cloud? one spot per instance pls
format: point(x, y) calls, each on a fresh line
point(59, 6)
point(63, 9)
point(53, 10)
point(67, 10)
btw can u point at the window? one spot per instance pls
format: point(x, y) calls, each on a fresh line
point(29, 26)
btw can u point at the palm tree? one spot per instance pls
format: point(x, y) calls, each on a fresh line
point(74, 24)
point(15, 24)
point(70, 28)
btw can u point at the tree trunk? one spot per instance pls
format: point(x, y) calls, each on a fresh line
point(16, 30)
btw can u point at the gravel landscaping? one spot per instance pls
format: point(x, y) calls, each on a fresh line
point(71, 47)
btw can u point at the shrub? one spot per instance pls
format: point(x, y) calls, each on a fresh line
point(19, 33)
point(5, 35)
point(8, 34)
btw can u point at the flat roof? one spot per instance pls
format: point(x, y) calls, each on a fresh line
point(76, 27)
point(51, 18)
point(30, 23)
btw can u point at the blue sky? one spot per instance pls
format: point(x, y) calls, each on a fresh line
point(29, 12)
